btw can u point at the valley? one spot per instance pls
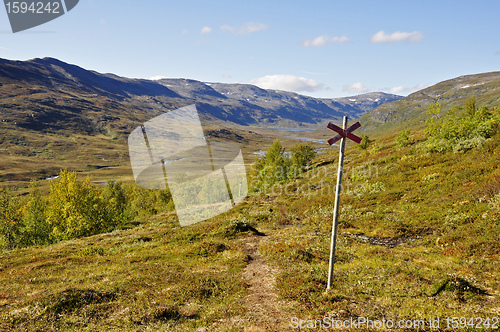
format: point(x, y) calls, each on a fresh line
point(418, 229)
point(56, 116)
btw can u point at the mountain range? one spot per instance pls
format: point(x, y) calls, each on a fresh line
point(114, 257)
point(57, 115)
point(48, 94)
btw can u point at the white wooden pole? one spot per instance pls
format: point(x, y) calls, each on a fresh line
point(336, 208)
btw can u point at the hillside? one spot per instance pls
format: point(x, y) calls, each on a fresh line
point(410, 111)
point(418, 241)
point(53, 91)
point(57, 115)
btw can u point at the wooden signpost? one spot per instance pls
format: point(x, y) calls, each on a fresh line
point(342, 134)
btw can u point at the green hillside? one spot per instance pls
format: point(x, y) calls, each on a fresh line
point(409, 112)
point(418, 240)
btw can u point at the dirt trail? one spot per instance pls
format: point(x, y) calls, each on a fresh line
point(265, 312)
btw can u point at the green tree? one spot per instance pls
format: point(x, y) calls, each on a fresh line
point(302, 155)
point(470, 106)
point(116, 203)
point(10, 219)
point(35, 230)
point(365, 140)
point(461, 128)
point(75, 208)
point(145, 202)
point(277, 166)
point(272, 168)
point(403, 138)
point(433, 123)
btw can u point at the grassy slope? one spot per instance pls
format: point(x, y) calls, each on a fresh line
point(429, 206)
point(28, 154)
point(410, 112)
point(417, 240)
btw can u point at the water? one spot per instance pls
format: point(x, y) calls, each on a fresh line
point(168, 162)
point(322, 150)
point(261, 153)
point(314, 140)
point(292, 129)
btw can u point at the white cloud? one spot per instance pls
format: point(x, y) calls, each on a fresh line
point(395, 90)
point(398, 36)
point(245, 29)
point(357, 87)
point(340, 40)
point(157, 78)
point(323, 40)
point(400, 90)
point(287, 83)
point(316, 42)
point(206, 30)
point(185, 31)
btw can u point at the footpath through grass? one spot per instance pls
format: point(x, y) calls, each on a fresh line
point(156, 275)
point(418, 239)
point(419, 235)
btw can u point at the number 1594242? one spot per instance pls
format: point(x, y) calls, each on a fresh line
point(23, 7)
point(474, 323)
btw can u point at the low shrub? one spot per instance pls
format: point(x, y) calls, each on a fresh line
point(73, 209)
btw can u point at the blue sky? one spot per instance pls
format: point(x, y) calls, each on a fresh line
point(317, 48)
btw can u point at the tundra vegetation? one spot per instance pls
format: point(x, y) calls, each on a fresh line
point(418, 239)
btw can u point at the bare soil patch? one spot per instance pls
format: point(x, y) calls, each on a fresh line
point(265, 312)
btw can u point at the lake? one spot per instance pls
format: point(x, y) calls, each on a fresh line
point(314, 140)
point(292, 129)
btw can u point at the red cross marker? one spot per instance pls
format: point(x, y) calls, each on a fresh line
point(344, 133)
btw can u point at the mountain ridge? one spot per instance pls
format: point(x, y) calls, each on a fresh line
point(410, 111)
point(243, 104)
point(55, 115)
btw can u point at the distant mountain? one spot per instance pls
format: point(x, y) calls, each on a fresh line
point(248, 104)
point(361, 104)
point(53, 96)
point(410, 111)
point(48, 94)
point(57, 115)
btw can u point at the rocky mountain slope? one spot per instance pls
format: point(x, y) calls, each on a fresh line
point(57, 115)
point(249, 104)
point(48, 94)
